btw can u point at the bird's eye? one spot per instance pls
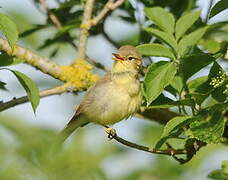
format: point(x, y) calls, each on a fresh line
point(131, 58)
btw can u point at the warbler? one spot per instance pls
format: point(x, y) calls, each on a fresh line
point(114, 97)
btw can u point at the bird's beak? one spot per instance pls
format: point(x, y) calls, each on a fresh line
point(117, 57)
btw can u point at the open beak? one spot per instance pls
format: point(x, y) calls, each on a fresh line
point(117, 57)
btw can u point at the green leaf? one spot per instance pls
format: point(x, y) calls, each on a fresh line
point(161, 18)
point(199, 89)
point(68, 4)
point(32, 30)
point(30, 88)
point(185, 22)
point(6, 60)
point(66, 29)
point(190, 40)
point(208, 130)
point(220, 174)
point(218, 7)
point(155, 50)
point(2, 85)
point(175, 123)
point(177, 83)
point(192, 64)
point(215, 72)
point(9, 29)
point(194, 84)
point(162, 140)
point(158, 76)
point(174, 128)
point(221, 93)
point(165, 102)
point(211, 45)
point(164, 37)
point(215, 27)
point(218, 80)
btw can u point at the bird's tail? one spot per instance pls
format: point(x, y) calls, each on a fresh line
point(77, 121)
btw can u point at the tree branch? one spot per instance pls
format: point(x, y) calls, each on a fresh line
point(162, 116)
point(109, 6)
point(170, 151)
point(52, 16)
point(85, 26)
point(58, 25)
point(24, 99)
point(56, 22)
point(87, 22)
point(41, 63)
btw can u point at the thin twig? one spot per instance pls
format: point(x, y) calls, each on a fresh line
point(56, 22)
point(170, 151)
point(41, 63)
point(88, 9)
point(88, 22)
point(109, 6)
point(24, 99)
point(52, 16)
point(117, 4)
point(58, 25)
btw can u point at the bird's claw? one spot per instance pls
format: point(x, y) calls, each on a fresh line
point(111, 133)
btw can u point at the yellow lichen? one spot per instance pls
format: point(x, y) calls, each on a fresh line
point(87, 25)
point(79, 75)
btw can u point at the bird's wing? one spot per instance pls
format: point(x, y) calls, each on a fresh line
point(79, 119)
point(92, 92)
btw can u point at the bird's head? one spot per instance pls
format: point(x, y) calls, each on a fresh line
point(127, 59)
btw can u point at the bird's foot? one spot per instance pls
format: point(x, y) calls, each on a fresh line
point(111, 132)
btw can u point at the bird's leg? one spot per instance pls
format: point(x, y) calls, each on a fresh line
point(110, 131)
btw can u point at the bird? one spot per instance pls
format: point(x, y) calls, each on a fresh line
point(113, 98)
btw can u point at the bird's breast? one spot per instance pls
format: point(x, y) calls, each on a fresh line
point(115, 102)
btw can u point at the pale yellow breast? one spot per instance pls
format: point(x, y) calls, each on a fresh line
point(115, 101)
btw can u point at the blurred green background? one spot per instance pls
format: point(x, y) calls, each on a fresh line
point(25, 139)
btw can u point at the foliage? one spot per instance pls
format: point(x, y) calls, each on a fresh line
point(33, 156)
point(9, 29)
point(220, 174)
point(180, 44)
point(30, 88)
point(203, 123)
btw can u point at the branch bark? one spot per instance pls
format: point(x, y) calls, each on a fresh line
point(52, 16)
point(24, 99)
point(41, 63)
point(169, 151)
point(88, 22)
point(161, 116)
point(109, 6)
point(85, 26)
